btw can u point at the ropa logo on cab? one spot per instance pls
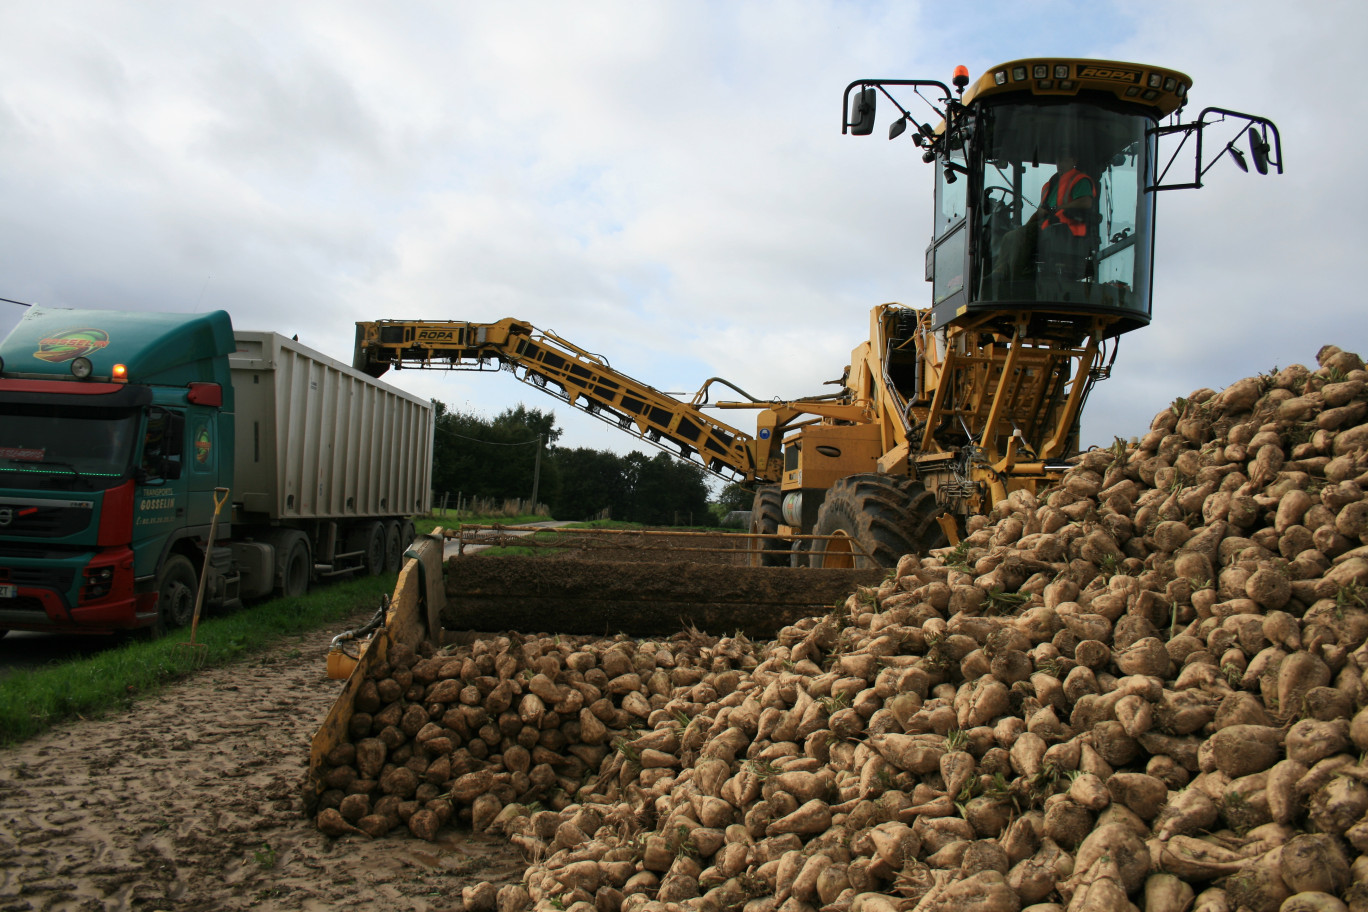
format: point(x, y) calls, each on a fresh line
point(443, 334)
point(1096, 72)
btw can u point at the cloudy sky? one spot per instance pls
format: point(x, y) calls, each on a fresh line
point(665, 183)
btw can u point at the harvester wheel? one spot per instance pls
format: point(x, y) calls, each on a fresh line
point(875, 519)
point(767, 512)
point(394, 546)
point(176, 588)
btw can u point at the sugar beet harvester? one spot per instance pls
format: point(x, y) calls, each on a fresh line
point(1046, 176)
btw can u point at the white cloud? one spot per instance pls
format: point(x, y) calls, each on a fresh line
point(663, 183)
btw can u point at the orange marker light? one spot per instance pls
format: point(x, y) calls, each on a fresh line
point(961, 76)
point(120, 373)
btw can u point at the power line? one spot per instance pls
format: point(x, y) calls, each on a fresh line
point(489, 442)
point(12, 301)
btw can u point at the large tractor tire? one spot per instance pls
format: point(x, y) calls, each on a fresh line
point(875, 520)
point(767, 512)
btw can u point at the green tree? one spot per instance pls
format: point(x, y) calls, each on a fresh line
point(638, 488)
point(591, 481)
point(494, 459)
point(664, 489)
point(735, 497)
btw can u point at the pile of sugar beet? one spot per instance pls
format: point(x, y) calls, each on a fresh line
point(1144, 689)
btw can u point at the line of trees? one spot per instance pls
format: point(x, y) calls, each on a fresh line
point(497, 459)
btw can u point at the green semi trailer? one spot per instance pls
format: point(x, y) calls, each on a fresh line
point(116, 430)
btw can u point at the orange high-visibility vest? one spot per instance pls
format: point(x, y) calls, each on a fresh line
point(1063, 191)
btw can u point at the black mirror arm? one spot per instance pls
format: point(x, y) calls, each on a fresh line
point(1252, 120)
point(881, 84)
point(1197, 128)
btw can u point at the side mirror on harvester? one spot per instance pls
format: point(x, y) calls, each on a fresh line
point(862, 108)
point(1258, 150)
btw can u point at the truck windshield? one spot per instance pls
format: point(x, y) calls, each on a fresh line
point(83, 448)
point(1064, 217)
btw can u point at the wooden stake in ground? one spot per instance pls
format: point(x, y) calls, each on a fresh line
point(198, 650)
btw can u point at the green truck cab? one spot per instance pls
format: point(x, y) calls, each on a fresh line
point(115, 430)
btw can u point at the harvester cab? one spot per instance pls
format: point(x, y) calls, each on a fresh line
point(1041, 256)
point(1047, 172)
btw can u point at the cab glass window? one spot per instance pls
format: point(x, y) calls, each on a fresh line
point(64, 447)
point(952, 194)
point(163, 447)
point(1090, 248)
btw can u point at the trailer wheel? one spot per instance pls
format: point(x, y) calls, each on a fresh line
point(875, 519)
point(394, 547)
point(370, 540)
point(294, 581)
point(767, 512)
point(176, 588)
point(407, 533)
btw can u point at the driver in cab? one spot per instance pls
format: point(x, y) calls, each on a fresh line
point(1066, 200)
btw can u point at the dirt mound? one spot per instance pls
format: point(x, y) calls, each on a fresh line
point(604, 597)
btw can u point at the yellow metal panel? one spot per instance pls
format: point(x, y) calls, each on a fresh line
point(405, 623)
point(852, 449)
point(1131, 82)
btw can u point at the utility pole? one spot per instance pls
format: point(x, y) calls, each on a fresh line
point(536, 474)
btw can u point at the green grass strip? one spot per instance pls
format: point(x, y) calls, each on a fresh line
point(452, 518)
point(33, 701)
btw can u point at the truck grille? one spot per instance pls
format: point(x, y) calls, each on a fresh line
point(43, 522)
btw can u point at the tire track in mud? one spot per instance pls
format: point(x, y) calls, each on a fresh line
point(191, 800)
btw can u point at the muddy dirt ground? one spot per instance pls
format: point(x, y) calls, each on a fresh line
point(191, 801)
